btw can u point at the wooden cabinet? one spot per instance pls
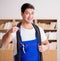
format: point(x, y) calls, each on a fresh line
point(50, 55)
point(7, 53)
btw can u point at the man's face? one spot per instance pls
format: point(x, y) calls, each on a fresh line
point(28, 15)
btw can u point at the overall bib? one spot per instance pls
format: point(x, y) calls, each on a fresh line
point(31, 50)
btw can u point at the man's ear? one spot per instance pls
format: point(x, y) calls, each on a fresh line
point(21, 14)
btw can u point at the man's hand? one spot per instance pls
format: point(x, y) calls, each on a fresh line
point(13, 29)
point(44, 47)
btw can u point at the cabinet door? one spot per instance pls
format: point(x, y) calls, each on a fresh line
point(50, 55)
point(6, 54)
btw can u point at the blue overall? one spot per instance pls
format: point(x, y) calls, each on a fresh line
point(31, 50)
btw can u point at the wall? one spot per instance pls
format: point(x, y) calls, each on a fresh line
point(44, 9)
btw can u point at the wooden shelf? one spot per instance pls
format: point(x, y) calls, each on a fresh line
point(46, 20)
point(6, 20)
point(18, 20)
point(50, 30)
point(52, 40)
point(3, 30)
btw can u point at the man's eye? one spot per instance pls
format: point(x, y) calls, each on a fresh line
point(26, 12)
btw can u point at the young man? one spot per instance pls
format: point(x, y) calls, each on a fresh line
point(28, 38)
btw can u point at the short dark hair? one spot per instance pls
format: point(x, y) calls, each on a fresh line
point(25, 6)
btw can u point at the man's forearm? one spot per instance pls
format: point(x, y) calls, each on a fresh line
point(6, 39)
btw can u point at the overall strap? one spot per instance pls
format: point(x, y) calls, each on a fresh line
point(37, 33)
point(18, 42)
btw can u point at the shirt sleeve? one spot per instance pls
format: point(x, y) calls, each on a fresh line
point(43, 35)
point(14, 40)
point(14, 34)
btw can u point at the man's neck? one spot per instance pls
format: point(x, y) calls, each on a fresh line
point(27, 25)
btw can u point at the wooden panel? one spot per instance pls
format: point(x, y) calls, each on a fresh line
point(50, 55)
point(6, 54)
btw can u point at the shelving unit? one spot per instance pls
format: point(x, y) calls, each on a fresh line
point(5, 25)
point(48, 25)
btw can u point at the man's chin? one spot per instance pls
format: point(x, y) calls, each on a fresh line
point(30, 22)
